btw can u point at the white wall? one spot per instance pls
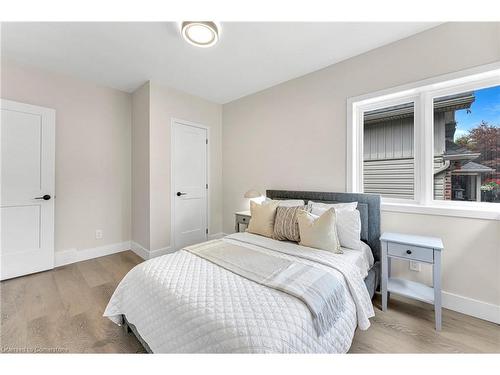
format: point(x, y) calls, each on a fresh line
point(153, 154)
point(140, 167)
point(93, 135)
point(293, 136)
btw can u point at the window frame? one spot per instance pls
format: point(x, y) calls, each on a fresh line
point(422, 94)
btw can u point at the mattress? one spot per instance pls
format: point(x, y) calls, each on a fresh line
point(181, 303)
point(362, 258)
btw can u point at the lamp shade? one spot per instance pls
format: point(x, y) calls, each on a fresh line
point(252, 194)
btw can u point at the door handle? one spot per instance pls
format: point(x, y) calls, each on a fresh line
point(179, 193)
point(46, 197)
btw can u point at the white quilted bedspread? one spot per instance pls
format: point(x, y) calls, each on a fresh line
point(180, 303)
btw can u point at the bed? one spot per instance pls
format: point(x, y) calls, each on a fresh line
point(182, 303)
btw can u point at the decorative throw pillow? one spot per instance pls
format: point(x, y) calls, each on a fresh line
point(286, 226)
point(262, 219)
point(348, 228)
point(319, 232)
point(317, 208)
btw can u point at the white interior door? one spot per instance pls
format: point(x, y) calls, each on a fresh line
point(27, 189)
point(190, 184)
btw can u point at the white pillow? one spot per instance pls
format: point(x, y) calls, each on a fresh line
point(319, 232)
point(318, 208)
point(286, 202)
point(348, 227)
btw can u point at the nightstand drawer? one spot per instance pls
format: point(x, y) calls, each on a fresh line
point(422, 254)
point(242, 219)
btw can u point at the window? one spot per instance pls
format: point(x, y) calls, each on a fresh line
point(467, 146)
point(431, 147)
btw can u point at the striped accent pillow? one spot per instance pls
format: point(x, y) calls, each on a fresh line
point(285, 223)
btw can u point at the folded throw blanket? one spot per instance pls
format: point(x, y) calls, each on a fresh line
point(350, 272)
point(315, 287)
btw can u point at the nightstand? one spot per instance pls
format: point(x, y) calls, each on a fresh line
point(412, 248)
point(242, 217)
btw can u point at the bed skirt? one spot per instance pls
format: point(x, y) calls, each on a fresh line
point(129, 327)
point(372, 280)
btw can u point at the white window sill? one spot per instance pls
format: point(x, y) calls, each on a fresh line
point(474, 212)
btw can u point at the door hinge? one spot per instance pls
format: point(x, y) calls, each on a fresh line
point(206, 231)
point(206, 186)
point(206, 141)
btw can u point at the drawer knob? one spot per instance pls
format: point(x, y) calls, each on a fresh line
point(408, 252)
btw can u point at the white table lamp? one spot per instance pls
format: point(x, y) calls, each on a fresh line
point(254, 195)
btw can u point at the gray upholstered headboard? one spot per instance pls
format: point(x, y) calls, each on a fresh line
point(368, 207)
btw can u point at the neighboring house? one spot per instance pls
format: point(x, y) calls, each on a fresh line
point(389, 153)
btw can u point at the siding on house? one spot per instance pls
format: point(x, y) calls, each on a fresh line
point(439, 178)
point(391, 139)
point(395, 178)
point(391, 178)
point(388, 158)
point(389, 167)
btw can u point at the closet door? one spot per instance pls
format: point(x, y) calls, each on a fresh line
point(189, 174)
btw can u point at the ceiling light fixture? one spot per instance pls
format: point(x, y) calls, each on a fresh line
point(200, 33)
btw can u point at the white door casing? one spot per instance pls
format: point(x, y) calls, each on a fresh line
point(27, 161)
point(189, 192)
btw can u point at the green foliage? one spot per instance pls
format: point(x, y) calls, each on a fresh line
point(490, 186)
point(484, 139)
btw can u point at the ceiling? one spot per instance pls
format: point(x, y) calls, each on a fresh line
point(248, 58)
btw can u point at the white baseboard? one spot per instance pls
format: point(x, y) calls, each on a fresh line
point(472, 307)
point(160, 252)
point(146, 254)
point(149, 254)
point(216, 236)
point(479, 309)
point(69, 256)
point(139, 250)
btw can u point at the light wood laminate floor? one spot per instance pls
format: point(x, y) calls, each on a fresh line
point(61, 311)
